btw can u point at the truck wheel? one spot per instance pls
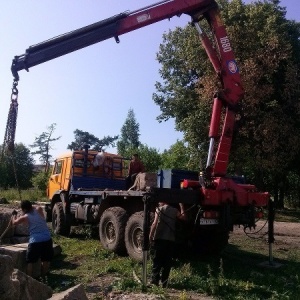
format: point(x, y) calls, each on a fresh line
point(59, 222)
point(112, 229)
point(48, 215)
point(134, 236)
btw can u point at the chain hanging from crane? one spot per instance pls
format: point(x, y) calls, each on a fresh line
point(10, 131)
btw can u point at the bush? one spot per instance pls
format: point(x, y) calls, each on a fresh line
point(40, 180)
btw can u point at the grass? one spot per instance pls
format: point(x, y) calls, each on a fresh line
point(288, 215)
point(83, 260)
point(30, 194)
point(236, 274)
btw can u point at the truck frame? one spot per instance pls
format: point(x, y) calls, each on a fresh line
point(214, 201)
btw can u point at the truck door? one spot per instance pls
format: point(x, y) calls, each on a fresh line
point(58, 178)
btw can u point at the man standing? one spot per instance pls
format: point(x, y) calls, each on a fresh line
point(40, 241)
point(162, 232)
point(135, 167)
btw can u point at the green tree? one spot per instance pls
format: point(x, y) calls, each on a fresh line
point(20, 165)
point(40, 181)
point(129, 138)
point(177, 157)
point(85, 138)
point(267, 49)
point(43, 143)
point(183, 62)
point(150, 157)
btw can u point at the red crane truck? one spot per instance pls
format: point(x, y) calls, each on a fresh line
point(214, 201)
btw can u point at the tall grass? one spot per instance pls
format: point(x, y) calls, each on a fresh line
point(30, 194)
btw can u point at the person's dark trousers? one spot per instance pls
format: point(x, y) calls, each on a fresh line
point(162, 251)
point(130, 180)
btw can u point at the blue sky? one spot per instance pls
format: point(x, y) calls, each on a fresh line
point(91, 89)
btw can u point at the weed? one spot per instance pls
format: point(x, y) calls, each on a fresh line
point(30, 194)
point(83, 231)
point(183, 295)
point(126, 284)
point(288, 215)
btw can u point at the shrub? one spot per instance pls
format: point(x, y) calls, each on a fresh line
point(40, 180)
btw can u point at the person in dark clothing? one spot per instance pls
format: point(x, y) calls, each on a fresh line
point(162, 233)
point(40, 242)
point(135, 167)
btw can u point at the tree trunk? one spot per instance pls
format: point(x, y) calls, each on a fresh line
point(280, 204)
point(275, 193)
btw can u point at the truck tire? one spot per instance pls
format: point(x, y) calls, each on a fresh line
point(134, 235)
point(48, 215)
point(59, 222)
point(112, 229)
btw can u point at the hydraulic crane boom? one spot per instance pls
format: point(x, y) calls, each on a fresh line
point(221, 58)
point(105, 29)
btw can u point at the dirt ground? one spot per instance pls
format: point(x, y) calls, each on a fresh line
point(287, 237)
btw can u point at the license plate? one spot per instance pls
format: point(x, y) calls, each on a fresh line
point(208, 221)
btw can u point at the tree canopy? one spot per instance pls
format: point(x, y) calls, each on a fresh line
point(267, 48)
point(177, 157)
point(43, 143)
point(23, 170)
point(129, 138)
point(85, 138)
point(150, 157)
